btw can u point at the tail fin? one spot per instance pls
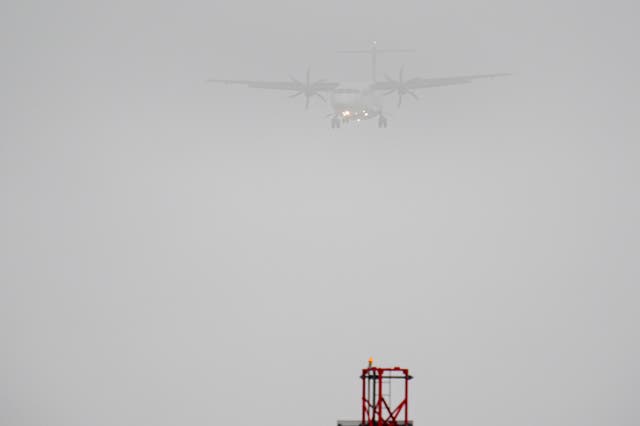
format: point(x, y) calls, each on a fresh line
point(374, 51)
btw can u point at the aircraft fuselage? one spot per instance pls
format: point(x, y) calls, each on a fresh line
point(352, 103)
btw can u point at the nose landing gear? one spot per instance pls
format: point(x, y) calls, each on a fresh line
point(335, 123)
point(382, 121)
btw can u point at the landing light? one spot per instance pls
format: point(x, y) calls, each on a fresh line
point(346, 113)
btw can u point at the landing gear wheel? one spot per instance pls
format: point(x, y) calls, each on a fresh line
point(335, 123)
point(382, 122)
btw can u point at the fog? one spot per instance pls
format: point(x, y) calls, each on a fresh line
point(176, 252)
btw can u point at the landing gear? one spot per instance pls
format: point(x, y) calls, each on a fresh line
point(382, 122)
point(335, 123)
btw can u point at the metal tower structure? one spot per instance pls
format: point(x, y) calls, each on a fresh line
point(378, 409)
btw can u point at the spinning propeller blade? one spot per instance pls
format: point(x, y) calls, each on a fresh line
point(309, 89)
point(400, 86)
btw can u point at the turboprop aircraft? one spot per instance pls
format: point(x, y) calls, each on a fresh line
point(356, 102)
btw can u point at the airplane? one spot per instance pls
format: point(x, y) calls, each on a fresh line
point(356, 102)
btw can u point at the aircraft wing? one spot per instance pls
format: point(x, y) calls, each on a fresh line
point(425, 83)
point(292, 85)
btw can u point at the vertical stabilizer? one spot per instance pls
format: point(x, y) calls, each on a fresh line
point(373, 52)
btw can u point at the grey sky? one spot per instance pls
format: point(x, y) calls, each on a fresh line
point(173, 252)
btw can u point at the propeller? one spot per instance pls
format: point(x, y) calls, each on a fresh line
point(401, 86)
point(308, 89)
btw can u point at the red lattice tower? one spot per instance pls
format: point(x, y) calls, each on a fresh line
point(377, 407)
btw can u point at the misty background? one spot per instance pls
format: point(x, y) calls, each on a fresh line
point(174, 252)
